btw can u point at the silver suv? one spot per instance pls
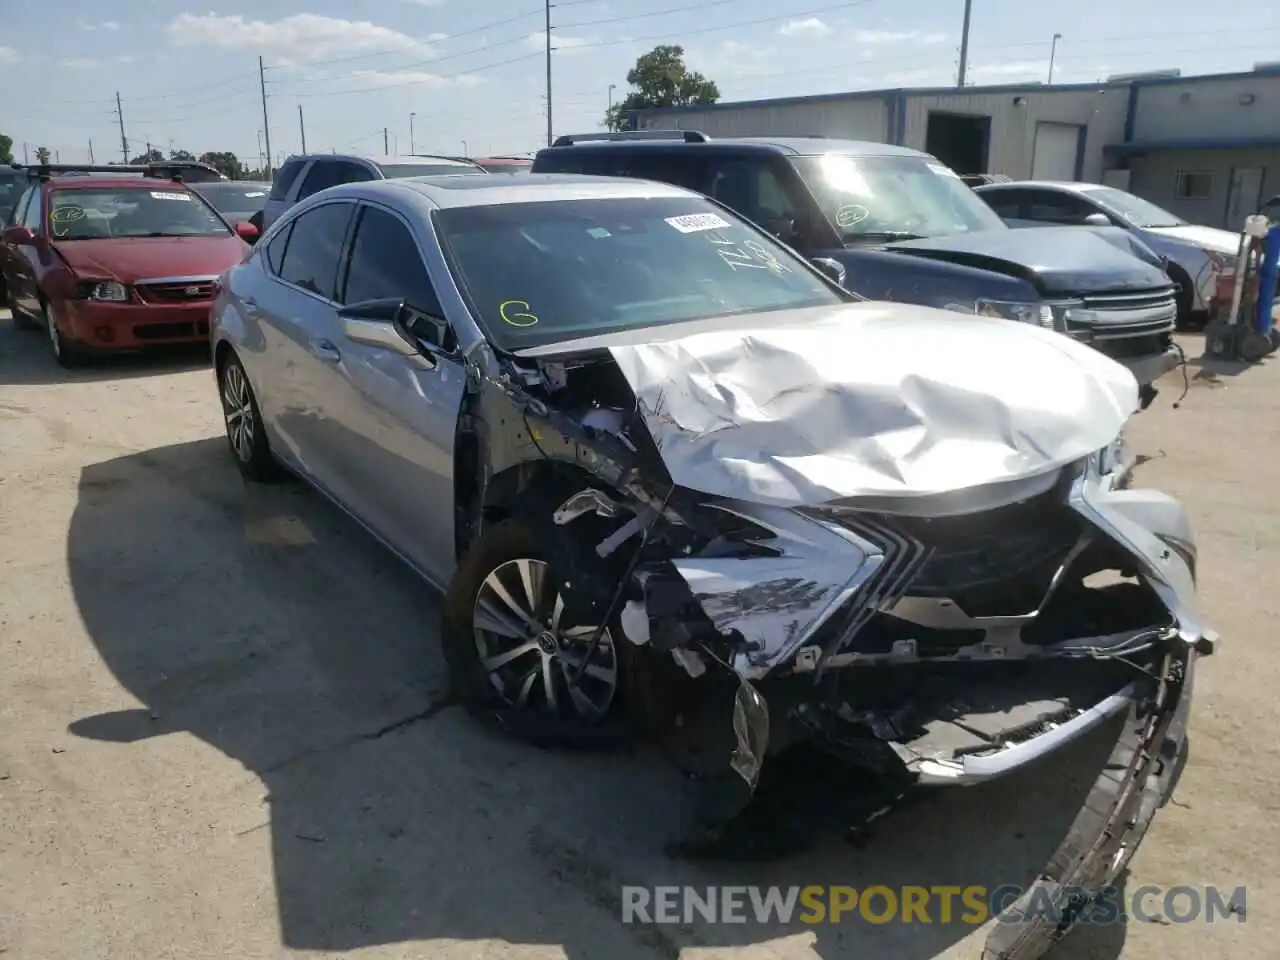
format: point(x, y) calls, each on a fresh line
point(301, 176)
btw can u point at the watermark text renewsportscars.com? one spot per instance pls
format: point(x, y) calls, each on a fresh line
point(973, 905)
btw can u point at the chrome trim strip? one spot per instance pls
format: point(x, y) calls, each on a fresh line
point(151, 280)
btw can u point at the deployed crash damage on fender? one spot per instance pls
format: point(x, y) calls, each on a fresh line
point(870, 530)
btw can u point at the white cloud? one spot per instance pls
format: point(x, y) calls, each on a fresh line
point(559, 41)
point(372, 79)
point(9, 55)
point(110, 25)
point(877, 38)
point(809, 27)
point(126, 58)
point(424, 3)
point(312, 34)
point(81, 63)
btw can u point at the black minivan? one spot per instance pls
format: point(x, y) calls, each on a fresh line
point(896, 224)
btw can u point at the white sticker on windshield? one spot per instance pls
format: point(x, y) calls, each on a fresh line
point(694, 222)
point(942, 171)
point(162, 195)
point(256, 193)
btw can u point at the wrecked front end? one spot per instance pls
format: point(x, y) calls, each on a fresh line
point(932, 639)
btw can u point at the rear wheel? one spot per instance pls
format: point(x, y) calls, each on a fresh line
point(245, 434)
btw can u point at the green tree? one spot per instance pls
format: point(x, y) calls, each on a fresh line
point(42, 155)
point(225, 162)
point(181, 155)
point(6, 149)
point(660, 79)
point(151, 156)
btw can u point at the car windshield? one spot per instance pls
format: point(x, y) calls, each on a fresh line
point(11, 187)
point(539, 273)
point(1133, 210)
point(113, 212)
point(394, 171)
point(236, 200)
point(878, 198)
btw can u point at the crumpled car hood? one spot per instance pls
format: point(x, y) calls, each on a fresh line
point(804, 407)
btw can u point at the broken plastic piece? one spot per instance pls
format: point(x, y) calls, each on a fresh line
point(585, 501)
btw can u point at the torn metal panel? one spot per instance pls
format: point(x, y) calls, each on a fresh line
point(868, 400)
point(777, 602)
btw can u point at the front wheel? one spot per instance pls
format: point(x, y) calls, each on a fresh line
point(68, 355)
point(518, 658)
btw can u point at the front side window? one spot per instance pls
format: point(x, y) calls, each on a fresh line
point(12, 189)
point(285, 177)
point(385, 264)
point(891, 198)
point(15, 213)
point(322, 175)
point(129, 212)
point(1133, 210)
point(33, 213)
point(315, 243)
point(1064, 209)
point(538, 273)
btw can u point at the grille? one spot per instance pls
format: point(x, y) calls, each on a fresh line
point(192, 291)
point(171, 331)
point(1127, 315)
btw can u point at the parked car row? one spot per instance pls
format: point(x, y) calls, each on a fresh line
point(669, 473)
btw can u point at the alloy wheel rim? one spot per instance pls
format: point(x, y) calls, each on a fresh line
point(535, 657)
point(237, 409)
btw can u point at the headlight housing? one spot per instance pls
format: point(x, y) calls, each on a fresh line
point(109, 291)
point(1036, 314)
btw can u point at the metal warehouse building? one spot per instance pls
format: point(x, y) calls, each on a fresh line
point(1207, 147)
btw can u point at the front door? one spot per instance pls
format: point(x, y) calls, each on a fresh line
point(389, 421)
point(1244, 196)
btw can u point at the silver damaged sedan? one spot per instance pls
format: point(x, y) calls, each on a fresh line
point(671, 477)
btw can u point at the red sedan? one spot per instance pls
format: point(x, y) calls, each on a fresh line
point(114, 263)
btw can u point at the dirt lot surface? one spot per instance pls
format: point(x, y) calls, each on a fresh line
point(223, 730)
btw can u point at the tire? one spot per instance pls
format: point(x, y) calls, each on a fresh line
point(246, 438)
point(1186, 319)
point(511, 692)
point(20, 319)
point(67, 354)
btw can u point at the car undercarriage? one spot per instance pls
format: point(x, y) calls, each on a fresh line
point(925, 641)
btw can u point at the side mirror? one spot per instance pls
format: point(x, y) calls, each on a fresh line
point(19, 236)
point(1097, 220)
point(247, 232)
point(833, 270)
point(393, 325)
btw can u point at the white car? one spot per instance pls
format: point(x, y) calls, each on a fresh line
point(1196, 254)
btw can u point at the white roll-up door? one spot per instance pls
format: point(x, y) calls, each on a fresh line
point(1055, 151)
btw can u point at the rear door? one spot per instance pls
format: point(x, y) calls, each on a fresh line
point(28, 261)
point(297, 314)
point(13, 257)
point(389, 421)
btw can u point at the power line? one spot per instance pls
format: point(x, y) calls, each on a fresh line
point(412, 83)
point(652, 13)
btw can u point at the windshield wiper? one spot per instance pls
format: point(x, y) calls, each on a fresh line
point(885, 235)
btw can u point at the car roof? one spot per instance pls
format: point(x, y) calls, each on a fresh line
point(792, 146)
point(385, 160)
point(1069, 186)
point(101, 181)
point(465, 191)
point(230, 184)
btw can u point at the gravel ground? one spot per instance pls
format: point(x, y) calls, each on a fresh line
point(223, 730)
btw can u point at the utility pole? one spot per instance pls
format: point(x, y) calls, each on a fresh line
point(57, 156)
point(412, 147)
point(266, 126)
point(148, 153)
point(91, 153)
point(124, 141)
point(1053, 52)
point(964, 43)
point(302, 129)
point(386, 146)
point(547, 4)
point(26, 158)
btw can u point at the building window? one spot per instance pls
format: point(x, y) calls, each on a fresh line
point(1193, 185)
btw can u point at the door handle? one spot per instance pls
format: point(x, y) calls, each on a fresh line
point(324, 350)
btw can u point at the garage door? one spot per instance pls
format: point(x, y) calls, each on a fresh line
point(1055, 151)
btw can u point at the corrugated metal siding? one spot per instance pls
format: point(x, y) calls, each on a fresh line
point(1211, 108)
point(853, 119)
point(1154, 177)
point(1013, 128)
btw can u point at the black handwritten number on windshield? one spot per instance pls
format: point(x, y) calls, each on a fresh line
point(515, 313)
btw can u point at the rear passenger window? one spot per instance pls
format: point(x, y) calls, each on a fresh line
point(330, 173)
point(683, 168)
point(276, 248)
point(285, 177)
point(1006, 204)
point(385, 264)
point(315, 242)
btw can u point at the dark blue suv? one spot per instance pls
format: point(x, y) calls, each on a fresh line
point(896, 224)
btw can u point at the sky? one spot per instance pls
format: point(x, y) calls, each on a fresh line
point(471, 73)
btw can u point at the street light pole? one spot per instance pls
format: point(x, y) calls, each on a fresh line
point(964, 43)
point(465, 151)
point(548, 26)
point(412, 152)
point(608, 115)
point(1053, 52)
